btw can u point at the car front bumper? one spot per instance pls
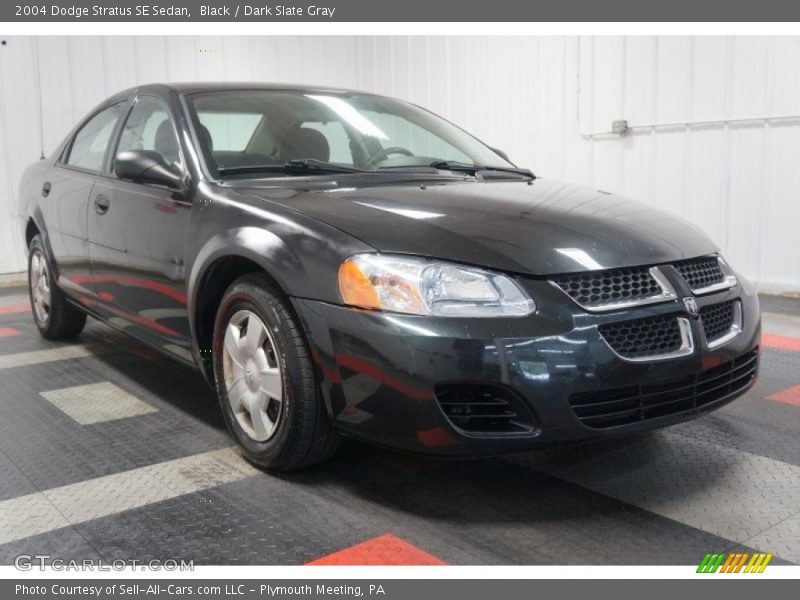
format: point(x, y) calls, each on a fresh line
point(381, 372)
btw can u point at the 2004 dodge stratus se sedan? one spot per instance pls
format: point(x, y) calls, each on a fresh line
point(337, 263)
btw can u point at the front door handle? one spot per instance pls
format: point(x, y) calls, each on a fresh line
point(46, 188)
point(101, 205)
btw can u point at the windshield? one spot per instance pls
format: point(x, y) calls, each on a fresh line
point(242, 131)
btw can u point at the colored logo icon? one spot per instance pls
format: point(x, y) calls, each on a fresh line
point(739, 562)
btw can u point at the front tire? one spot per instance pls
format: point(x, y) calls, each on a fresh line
point(55, 317)
point(265, 379)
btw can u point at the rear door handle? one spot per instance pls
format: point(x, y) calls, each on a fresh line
point(46, 188)
point(101, 205)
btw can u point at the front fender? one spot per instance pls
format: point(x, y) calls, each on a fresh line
point(299, 252)
point(301, 271)
point(258, 245)
point(261, 246)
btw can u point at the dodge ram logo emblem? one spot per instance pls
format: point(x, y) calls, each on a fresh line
point(691, 307)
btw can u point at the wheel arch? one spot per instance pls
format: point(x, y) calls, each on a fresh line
point(221, 261)
point(31, 230)
point(34, 225)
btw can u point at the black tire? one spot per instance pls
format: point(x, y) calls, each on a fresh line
point(303, 434)
point(62, 321)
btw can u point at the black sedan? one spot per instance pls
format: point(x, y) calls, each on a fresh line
point(340, 263)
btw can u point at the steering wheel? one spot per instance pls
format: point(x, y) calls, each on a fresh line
point(386, 153)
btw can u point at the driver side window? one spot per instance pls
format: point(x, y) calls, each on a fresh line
point(149, 127)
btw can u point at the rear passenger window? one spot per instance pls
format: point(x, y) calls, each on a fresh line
point(90, 143)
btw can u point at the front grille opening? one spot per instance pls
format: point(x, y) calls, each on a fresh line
point(484, 408)
point(608, 287)
point(686, 395)
point(642, 338)
point(700, 273)
point(717, 319)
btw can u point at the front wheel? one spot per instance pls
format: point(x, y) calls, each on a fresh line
point(265, 379)
point(55, 317)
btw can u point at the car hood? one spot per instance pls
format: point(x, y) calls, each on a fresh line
point(541, 227)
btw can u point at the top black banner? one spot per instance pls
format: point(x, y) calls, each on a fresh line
point(402, 11)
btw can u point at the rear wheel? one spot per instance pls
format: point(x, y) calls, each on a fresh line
point(265, 378)
point(54, 316)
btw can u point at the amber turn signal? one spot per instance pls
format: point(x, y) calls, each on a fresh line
point(355, 287)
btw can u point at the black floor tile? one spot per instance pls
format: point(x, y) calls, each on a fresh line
point(491, 511)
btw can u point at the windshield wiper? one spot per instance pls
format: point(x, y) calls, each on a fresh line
point(295, 166)
point(312, 164)
point(453, 165)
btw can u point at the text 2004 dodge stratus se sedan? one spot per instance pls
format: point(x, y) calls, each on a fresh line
point(337, 263)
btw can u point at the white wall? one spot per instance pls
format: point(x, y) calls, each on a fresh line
point(48, 83)
point(547, 101)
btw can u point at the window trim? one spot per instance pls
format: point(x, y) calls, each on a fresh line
point(67, 150)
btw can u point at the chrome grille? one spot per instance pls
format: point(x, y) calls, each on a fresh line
point(717, 319)
point(705, 274)
point(721, 322)
point(664, 336)
point(628, 287)
point(616, 288)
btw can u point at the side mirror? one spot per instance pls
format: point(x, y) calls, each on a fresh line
point(501, 154)
point(147, 166)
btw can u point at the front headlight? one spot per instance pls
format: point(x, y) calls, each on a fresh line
point(426, 287)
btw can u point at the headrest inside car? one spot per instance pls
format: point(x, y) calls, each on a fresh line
point(303, 142)
point(165, 142)
point(205, 137)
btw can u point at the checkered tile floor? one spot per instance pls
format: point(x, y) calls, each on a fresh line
point(109, 451)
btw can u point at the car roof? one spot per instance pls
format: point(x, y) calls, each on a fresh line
point(214, 86)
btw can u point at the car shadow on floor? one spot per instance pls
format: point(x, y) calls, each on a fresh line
point(513, 507)
point(162, 378)
point(513, 487)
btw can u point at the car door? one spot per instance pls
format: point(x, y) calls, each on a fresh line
point(137, 234)
point(65, 199)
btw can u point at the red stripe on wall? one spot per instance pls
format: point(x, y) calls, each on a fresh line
point(384, 550)
point(14, 308)
point(788, 396)
point(782, 342)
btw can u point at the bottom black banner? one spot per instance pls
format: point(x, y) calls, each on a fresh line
point(390, 589)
